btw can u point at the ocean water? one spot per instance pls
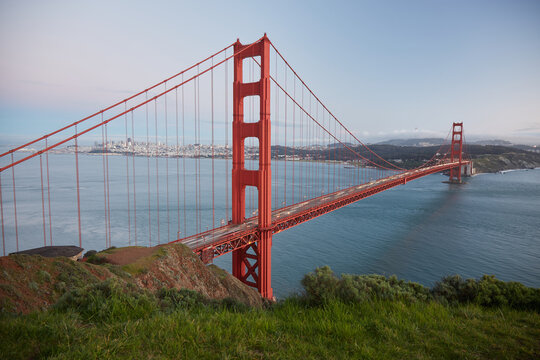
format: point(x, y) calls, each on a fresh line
point(421, 231)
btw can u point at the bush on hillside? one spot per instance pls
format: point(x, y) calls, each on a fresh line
point(173, 299)
point(322, 286)
point(107, 301)
point(487, 291)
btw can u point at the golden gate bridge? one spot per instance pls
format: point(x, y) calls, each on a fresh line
point(219, 156)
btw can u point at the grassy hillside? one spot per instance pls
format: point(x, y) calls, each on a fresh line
point(369, 317)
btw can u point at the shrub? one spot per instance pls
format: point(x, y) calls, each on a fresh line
point(89, 253)
point(96, 259)
point(107, 301)
point(487, 291)
point(43, 276)
point(322, 286)
point(454, 289)
point(172, 299)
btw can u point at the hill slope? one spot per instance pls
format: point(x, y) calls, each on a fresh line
point(31, 282)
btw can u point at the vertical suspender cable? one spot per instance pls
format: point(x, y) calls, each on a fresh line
point(286, 131)
point(196, 154)
point(2, 216)
point(103, 151)
point(315, 154)
point(277, 138)
point(335, 159)
point(177, 166)
point(15, 205)
point(212, 105)
point(48, 193)
point(252, 141)
point(126, 154)
point(42, 199)
point(303, 152)
point(133, 169)
point(226, 140)
point(78, 189)
point(310, 164)
point(293, 136)
point(328, 157)
point(167, 167)
point(199, 148)
point(148, 172)
point(184, 158)
point(157, 170)
point(108, 188)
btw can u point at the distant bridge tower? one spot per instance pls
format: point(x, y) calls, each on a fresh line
point(456, 151)
point(252, 264)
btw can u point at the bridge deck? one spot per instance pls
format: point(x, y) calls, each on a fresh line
point(221, 240)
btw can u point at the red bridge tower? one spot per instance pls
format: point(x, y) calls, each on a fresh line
point(455, 151)
point(252, 264)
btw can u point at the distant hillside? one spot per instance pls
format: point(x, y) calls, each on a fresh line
point(496, 142)
point(413, 142)
point(492, 158)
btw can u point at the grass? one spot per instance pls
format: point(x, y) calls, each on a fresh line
point(395, 319)
point(290, 330)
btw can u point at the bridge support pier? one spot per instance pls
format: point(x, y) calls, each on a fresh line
point(252, 264)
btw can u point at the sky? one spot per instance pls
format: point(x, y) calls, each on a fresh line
point(387, 69)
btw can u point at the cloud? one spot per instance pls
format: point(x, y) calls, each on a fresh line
point(532, 130)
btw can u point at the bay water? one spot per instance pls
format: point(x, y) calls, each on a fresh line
point(420, 232)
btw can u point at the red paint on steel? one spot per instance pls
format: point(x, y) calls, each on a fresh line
point(157, 170)
point(167, 170)
point(15, 205)
point(127, 180)
point(2, 215)
point(78, 188)
point(42, 200)
point(456, 151)
point(262, 178)
point(103, 152)
point(133, 168)
point(48, 194)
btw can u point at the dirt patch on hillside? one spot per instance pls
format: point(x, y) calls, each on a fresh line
point(127, 255)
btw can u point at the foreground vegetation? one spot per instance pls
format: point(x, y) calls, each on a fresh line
point(335, 318)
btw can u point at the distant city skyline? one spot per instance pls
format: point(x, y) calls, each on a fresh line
point(388, 70)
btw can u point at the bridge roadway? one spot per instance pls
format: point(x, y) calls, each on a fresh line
point(227, 238)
